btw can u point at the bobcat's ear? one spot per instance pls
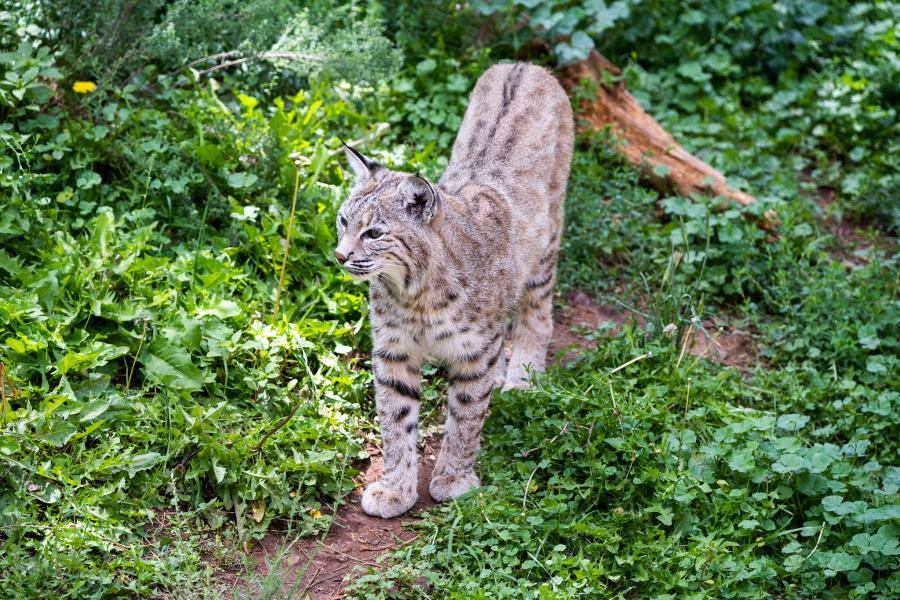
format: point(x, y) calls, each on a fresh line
point(420, 198)
point(363, 166)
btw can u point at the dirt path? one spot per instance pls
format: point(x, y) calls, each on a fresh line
point(356, 540)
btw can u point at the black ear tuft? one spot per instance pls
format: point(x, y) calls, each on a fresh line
point(362, 165)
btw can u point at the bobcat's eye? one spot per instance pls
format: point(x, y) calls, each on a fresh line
point(373, 234)
point(343, 221)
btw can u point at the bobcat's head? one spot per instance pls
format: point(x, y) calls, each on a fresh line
point(385, 226)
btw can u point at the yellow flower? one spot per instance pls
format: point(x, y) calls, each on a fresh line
point(83, 87)
point(315, 514)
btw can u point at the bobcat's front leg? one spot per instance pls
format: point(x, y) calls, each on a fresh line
point(397, 385)
point(468, 399)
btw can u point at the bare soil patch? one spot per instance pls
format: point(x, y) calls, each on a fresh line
point(852, 241)
point(727, 345)
point(354, 541)
point(722, 341)
point(582, 313)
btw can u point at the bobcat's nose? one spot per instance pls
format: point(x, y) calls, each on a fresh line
point(340, 257)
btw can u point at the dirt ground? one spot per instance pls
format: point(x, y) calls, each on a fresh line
point(721, 342)
point(356, 540)
point(852, 241)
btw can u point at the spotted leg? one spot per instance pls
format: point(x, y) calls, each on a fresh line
point(468, 398)
point(397, 388)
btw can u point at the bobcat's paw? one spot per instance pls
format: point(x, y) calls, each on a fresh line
point(379, 500)
point(452, 485)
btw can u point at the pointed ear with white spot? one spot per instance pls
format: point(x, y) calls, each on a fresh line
point(362, 165)
point(420, 198)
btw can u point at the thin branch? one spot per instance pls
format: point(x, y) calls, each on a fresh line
point(215, 57)
point(183, 464)
point(273, 55)
point(819, 539)
point(304, 394)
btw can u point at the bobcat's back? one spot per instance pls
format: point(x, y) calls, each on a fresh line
point(516, 139)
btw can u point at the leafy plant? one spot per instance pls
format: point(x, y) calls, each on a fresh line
point(267, 38)
point(139, 255)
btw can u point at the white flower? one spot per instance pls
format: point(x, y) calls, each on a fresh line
point(249, 214)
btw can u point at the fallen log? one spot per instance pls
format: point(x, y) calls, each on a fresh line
point(644, 143)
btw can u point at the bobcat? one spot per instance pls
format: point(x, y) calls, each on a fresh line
point(448, 262)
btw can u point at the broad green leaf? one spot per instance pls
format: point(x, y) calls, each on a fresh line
point(577, 48)
point(247, 101)
point(841, 561)
point(90, 356)
point(615, 442)
point(692, 70)
point(880, 514)
point(218, 470)
point(59, 432)
point(142, 462)
point(87, 180)
point(221, 308)
point(792, 422)
point(426, 66)
point(241, 180)
point(793, 563)
point(741, 461)
point(8, 446)
point(170, 366)
point(790, 463)
point(94, 409)
point(819, 461)
point(10, 264)
point(875, 364)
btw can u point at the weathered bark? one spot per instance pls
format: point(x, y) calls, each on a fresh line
point(644, 142)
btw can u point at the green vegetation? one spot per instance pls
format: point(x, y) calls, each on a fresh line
point(165, 399)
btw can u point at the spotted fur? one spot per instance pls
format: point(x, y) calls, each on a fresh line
point(449, 262)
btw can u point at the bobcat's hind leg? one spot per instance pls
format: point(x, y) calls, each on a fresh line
point(532, 326)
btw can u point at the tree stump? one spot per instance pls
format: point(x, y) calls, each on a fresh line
point(644, 143)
